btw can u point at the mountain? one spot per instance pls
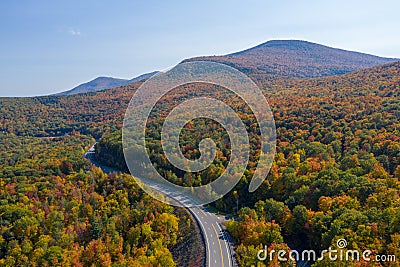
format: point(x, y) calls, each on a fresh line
point(102, 83)
point(143, 77)
point(98, 84)
point(294, 58)
point(276, 58)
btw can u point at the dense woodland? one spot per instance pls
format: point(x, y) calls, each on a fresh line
point(58, 210)
point(335, 174)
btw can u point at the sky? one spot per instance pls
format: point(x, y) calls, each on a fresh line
point(52, 46)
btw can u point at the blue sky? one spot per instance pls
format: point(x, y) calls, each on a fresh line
point(52, 46)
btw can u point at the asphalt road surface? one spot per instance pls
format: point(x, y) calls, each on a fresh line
point(219, 250)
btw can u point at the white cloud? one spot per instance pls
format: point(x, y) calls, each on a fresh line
point(75, 32)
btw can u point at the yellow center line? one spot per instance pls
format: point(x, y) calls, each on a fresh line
point(202, 211)
point(219, 242)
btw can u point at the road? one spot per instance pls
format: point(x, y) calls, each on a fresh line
point(219, 248)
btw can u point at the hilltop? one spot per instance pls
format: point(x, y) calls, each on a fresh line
point(295, 58)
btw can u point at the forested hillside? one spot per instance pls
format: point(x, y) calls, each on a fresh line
point(335, 175)
point(90, 113)
point(56, 210)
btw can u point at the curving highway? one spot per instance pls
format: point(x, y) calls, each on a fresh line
point(219, 248)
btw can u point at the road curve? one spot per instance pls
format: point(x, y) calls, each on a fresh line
point(219, 250)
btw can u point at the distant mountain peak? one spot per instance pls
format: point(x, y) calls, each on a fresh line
point(274, 43)
point(103, 83)
point(297, 58)
point(289, 42)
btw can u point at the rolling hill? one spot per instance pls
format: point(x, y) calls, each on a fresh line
point(106, 108)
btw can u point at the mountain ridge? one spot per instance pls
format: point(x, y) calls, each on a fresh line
point(103, 83)
point(269, 60)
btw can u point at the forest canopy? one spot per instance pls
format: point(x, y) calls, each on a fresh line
point(335, 174)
